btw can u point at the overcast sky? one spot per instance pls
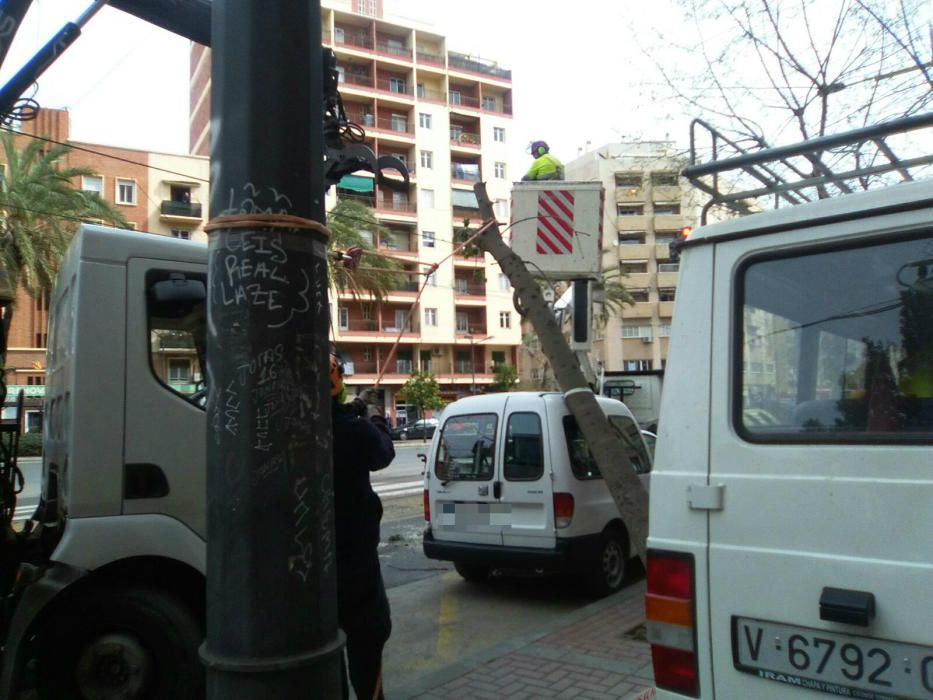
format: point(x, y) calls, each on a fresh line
point(575, 68)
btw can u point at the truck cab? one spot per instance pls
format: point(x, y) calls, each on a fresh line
point(118, 540)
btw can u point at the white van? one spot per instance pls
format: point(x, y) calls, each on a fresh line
point(510, 483)
point(791, 519)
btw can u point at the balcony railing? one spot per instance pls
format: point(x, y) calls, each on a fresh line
point(431, 58)
point(386, 85)
point(432, 95)
point(470, 290)
point(406, 286)
point(359, 79)
point(188, 209)
point(398, 126)
point(471, 331)
point(365, 367)
point(461, 100)
point(391, 49)
point(394, 206)
point(354, 39)
point(464, 62)
point(465, 139)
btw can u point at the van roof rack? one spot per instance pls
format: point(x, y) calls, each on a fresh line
point(814, 169)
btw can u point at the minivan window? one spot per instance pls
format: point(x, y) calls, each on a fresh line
point(466, 448)
point(524, 453)
point(582, 462)
point(837, 345)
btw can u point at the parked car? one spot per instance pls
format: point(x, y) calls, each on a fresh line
point(511, 484)
point(423, 428)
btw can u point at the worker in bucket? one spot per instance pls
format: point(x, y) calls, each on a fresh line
point(545, 166)
point(362, 444)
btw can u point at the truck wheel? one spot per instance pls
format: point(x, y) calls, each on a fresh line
point(127, 644)
point(608, 569)
point(474, 573)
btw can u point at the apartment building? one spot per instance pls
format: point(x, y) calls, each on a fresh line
point(157, 193)
point(448, 116)
point(647, 207)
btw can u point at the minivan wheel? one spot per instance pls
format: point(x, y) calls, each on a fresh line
point(608, 569)
point(474, 573)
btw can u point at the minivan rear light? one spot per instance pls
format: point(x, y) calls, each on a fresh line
point(563, 509)
point(427, 506)
point(670, 614)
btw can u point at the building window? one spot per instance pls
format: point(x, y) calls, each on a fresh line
point(427, 160)
point(179, 370)
point(638, 294)
point(421, 93)
point(664, 179)
point(629, 238)
point(181, 233)
point(630, 209)
point(399, 122)
point(93, 183)
point(500, 170)
point(666, 209)
point(430, 317)
point(367, 311)
point(489, 103)
point(426, 199)
point(454, 97)
point(636, 331)
point(501, 208)
point(456, 132)
point(463, 322)
point(424, 119)
point(427, 239)
point(668, 266)
point(628, 180)
point(498, 134)
point(126, 191)
point(344, 317)
point(504, 283)
point(638, 365)
point(367, 354)
point(505, 319)
point(666, 237)
point(633, 267)
point(396, 85)
point(664, 330)
point(432, 279)
point(666, 294)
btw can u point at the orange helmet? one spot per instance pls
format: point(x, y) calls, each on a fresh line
point(336, 375)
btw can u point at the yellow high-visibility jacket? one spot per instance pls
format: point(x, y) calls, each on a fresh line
point(545, 167)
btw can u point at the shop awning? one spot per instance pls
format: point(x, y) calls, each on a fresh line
point(357, 183)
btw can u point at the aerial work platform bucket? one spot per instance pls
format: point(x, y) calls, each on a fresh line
point(557, 228)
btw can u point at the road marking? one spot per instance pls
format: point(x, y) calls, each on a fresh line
point(23, 513)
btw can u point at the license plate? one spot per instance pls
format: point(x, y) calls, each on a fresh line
point(838, 664)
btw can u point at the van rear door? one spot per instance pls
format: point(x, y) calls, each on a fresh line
point(463, 499)
point(821, 555)
point(523, 477)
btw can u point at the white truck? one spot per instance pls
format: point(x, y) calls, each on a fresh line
point(791, 528)
point(109, 595)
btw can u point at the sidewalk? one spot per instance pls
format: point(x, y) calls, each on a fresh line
point(595, 653)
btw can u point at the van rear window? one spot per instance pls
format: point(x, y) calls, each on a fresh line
point(836, 345)
point(467, 448)
point(582, 462)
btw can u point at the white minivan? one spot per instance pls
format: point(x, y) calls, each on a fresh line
point(791, 509)
point(511, 484)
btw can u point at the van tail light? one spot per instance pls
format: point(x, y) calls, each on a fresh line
point(427, 506)
point(563, 509)
point(670, 612)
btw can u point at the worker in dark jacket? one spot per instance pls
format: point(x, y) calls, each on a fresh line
point(362, 444)
point(545, 166)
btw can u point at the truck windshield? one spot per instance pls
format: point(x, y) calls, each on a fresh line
point(176, 308)
point(466, 448)
point(837, 345)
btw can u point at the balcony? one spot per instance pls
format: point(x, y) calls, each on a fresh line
point(352, 39)
point(466, 334)
point(395, 208)
point(465, 172)
point(666, 309)
point(357, 80)
point(633, 222)
point(395, 49)
point(458, 100)
point(662, 252)
point(462, 289)
point(431, 59)
point(636, 251)
point(395, 125)
point(633, 195)
point(393, 87)
point(665, 193)
point(466, 140)
point(459, 61)
point(640, 309)
point(668, 221)
point(182, 210)
point(667, 278)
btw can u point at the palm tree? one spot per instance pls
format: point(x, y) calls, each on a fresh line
point(614, 297)
point(347, 222)
point(40, 209)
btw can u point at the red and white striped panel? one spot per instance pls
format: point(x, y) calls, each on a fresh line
point(555, 223)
